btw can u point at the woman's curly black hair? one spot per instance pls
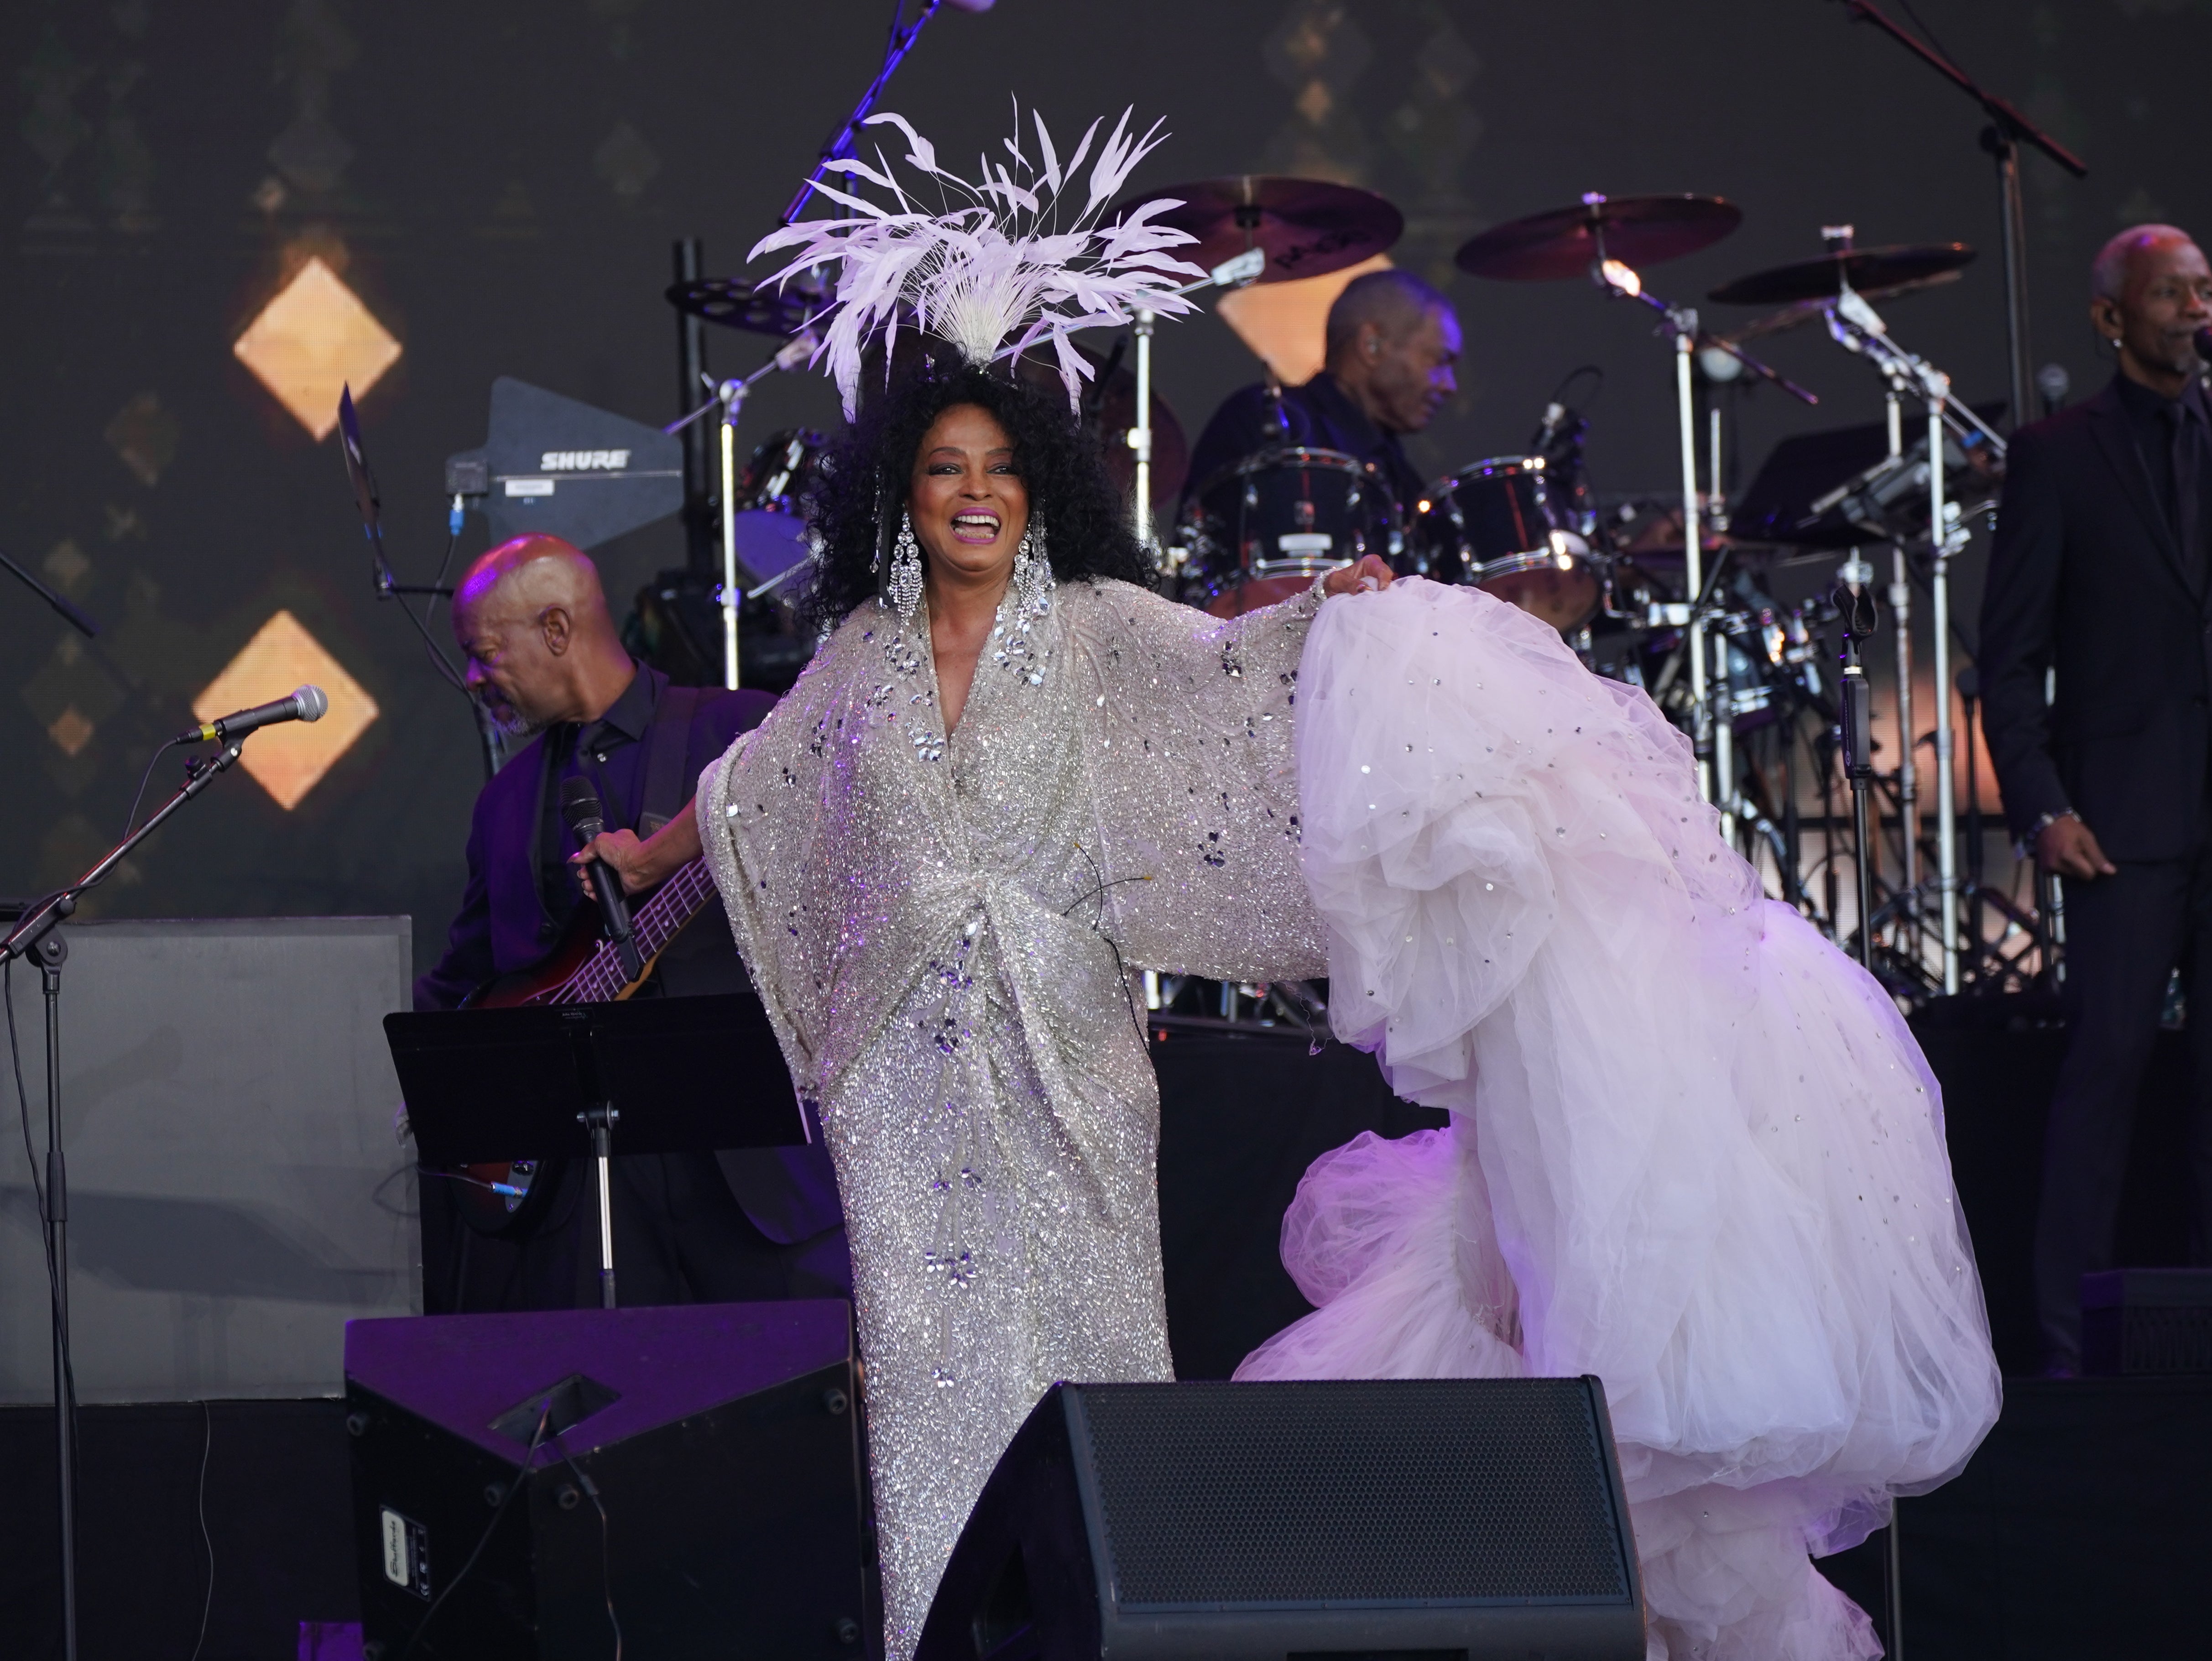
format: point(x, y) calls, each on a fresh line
point(869, 469)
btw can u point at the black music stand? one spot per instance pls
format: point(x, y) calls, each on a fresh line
point(676, 1075)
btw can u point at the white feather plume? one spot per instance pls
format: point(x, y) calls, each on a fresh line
point(998, 272)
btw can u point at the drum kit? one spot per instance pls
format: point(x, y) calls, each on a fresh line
point(1691, 618)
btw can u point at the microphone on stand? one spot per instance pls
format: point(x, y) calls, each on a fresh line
point(587, 819)
point(2054, 383)
point(307, 704)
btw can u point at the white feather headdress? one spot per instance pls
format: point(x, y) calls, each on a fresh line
point(995, 274)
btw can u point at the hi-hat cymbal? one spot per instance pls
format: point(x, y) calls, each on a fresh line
point(1867, 270)
point(1804, 310)
point(1639, 230)
point(1308, 226)
point(739, 304)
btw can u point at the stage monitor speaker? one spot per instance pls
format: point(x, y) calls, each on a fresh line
point(1390, 1520)
point(697, 1481)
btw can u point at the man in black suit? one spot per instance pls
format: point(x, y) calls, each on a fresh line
point(546, 659)
point(2100, 580)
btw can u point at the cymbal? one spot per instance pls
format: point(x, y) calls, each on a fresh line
point(1866, 270)
point(1640, 230)
point(738, 304)
point(1804, 310)
point(1309, 226)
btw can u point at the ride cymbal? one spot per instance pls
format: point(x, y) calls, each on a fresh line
point(1307, 226)
point(1637, 230)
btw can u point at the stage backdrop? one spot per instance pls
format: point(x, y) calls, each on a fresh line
point(450, 193)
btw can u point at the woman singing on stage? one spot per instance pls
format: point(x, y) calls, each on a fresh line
point(1693, 1149)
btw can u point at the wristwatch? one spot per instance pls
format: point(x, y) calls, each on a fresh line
point(2026, 846)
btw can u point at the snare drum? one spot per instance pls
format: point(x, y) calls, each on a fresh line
point(1494, 526)
point(1261, 529)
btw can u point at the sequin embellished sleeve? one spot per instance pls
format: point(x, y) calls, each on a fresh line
point(755, 834)
point(1187, 732)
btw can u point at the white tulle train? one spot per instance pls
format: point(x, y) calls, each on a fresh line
point(1693, 1149)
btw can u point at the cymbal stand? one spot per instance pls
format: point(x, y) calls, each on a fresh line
point(1622, 281)
point(1724, 710)
point(1856, 723)
point(1908, 758)
point(1230, 274)
point(1856, 326)
point(730, 398)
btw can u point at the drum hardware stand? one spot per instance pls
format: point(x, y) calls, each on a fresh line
point(1856, 723)
point(1622, 281)
point(34, 936)
point(730, 398)
point(1988, 961)
point(1725, 710)
point(2007, 131)
point(1856, 326)
point(1230, 274)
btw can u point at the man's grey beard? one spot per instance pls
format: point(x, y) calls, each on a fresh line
point(514, 728)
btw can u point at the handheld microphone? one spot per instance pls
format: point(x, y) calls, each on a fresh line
point(307, 704)
point(2202, 340)
point(587, 819)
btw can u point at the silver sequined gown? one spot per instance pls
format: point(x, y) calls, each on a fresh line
point(946, 930)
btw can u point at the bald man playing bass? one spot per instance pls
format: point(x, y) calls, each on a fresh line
point(547, 661)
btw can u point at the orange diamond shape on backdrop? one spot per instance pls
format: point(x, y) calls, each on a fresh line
point(289, 759)
point(313, 339)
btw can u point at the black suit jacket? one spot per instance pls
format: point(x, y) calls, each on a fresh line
point(2086, 577)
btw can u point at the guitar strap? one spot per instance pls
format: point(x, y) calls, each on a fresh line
point(667, 742)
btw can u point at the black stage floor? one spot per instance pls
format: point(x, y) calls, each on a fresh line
point(2082, 1528)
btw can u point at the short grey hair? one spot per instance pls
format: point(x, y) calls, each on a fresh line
point(2108, 273)
point(1393, 301)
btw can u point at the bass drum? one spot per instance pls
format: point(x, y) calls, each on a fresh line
point(1261, 529)
point(1494, 526)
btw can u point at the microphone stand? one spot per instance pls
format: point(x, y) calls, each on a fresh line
point(1621, 281)
point(903, 37)
point(34, 936)
point(2007, 131)
point(83, 625)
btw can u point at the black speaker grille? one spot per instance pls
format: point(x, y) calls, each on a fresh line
point(1430, 1490)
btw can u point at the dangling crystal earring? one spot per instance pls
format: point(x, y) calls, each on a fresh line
point(906, 571)
point(1033, 581)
